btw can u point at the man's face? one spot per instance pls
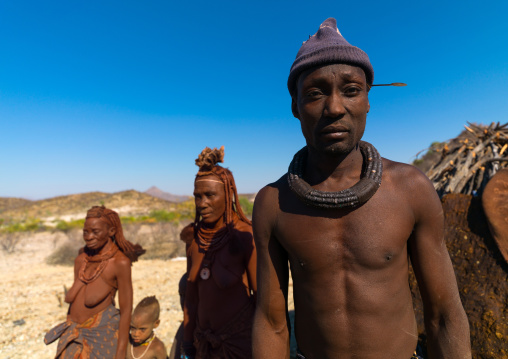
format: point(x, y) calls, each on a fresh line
point(210, 200)
point(332, 105)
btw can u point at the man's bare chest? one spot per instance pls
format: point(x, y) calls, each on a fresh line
point(370, 237)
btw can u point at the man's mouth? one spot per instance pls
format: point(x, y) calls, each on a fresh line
point(334, 129)
point(334, 132)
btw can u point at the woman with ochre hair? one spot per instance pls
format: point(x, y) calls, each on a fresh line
point(95, 328)
point(221, 268)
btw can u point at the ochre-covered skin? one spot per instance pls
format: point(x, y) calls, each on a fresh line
point(89, 299)
point(495, 205)
point(350, 266)
point(213, 304)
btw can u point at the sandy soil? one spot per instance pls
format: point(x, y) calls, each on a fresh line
point(32, 296)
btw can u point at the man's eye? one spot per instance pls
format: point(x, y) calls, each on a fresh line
point(351, 91)
point(313, 93)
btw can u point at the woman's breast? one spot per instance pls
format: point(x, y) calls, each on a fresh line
point(97, 291)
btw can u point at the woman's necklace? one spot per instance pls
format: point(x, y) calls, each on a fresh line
point(210, 241)
point(354, 196)
point(149, 342)
point(103, 262)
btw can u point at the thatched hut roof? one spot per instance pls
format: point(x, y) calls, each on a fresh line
point(466, 163)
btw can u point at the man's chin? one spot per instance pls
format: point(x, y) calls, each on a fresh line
point(335, 149)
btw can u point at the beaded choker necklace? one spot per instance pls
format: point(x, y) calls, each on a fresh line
point(147, 343)
point(351, 197)
point(103, 262)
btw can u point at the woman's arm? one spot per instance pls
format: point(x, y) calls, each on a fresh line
point(190, 309)
point(123, 270)
point(251, 269)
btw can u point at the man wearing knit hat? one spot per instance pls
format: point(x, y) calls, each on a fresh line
point(348, 222)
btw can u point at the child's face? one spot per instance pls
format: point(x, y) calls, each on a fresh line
point(142, 327)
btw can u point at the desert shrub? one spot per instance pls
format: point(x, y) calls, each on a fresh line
point(65, 254)
point(246, 205)
point(164, 216)
point(65, 226)
point(12, 233)
point(186, 209)
point(9, 241)
point(128, 219)
point(30, 225)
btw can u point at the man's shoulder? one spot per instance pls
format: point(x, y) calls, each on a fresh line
point(408, 181)
point(402, 172)
point(271, 191)
point(266, 205)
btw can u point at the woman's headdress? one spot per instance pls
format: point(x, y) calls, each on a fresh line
point(207, 162)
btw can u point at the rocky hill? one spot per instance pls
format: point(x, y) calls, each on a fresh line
point(126, 203)
point(9, 203)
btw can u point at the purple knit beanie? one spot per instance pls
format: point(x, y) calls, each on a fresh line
point(327, 46)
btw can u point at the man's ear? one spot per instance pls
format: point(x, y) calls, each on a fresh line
point(156, 324)
point(294, 107)
point(368, 108)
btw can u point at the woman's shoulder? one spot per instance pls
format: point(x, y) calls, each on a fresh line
point(243, 230)
point(120, 260)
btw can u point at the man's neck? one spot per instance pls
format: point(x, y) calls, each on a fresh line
point(323, 167)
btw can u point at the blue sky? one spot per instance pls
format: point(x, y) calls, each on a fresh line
point(109, 96)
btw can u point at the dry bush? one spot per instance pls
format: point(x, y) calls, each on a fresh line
point(9, 241)
point(64, 255)
point(67, 252)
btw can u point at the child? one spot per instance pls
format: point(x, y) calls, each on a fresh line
point(143, 342)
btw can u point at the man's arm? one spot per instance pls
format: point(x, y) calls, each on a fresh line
point(270, 335)
point(125, 294)
point(445, 320)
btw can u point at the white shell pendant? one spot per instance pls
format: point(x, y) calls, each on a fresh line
point(204, 273)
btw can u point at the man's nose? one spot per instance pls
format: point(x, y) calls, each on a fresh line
point(334, 106)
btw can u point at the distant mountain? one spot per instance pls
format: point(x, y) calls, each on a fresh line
point(158, 193)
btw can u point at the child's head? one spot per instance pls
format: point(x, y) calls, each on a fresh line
point(144, 319)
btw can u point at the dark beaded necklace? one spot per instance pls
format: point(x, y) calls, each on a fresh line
point(352, 197)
